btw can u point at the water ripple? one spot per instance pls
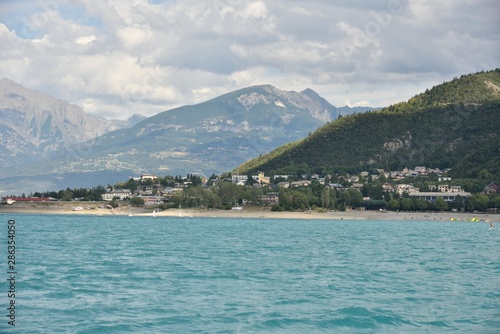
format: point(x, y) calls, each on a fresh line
point(170, 275)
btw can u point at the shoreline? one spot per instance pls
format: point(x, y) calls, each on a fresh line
point(256, 213)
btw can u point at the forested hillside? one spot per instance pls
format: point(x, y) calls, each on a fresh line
point(438, 128)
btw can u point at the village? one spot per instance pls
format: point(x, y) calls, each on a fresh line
point(420, 188)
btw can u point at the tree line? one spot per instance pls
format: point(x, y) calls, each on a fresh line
point(223, 194)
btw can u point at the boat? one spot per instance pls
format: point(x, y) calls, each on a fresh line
point(6, 200)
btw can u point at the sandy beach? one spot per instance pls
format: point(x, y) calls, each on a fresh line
point(98, 209)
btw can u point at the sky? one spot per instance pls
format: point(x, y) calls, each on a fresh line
point(115, 58)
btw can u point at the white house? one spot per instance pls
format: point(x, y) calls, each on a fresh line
point(421, 170)
point(387, 187)
point(406, 188)
point(443, 188)
point(119, 193)
point(243, 178)
point(296, 184)
point(148, 177)
point(433, 196)
point(239, 178)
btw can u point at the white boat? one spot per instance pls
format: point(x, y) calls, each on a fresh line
point(7, 201)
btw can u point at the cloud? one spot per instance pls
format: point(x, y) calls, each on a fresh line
point(85, 39)
point(348, 103)
point(116, 58)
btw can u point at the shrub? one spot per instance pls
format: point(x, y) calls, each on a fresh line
point(137, 201)
point(277, 207)
point(114, 204)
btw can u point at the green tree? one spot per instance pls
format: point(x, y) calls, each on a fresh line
point(195, 180)
point(277, 207)
point(345, 199)
point(495, 201)
point(137, 201)
point(252, 195)
point(486, 176)
point(394, 204)
point(67, 195)
point(328, 198)
point(250, 180)
point(480, 202)
point(229, 192)
point(193, 197)
point(375, 191)
point(406, 204)
point(459, 203)
point(441, 204)
point(469, 204)
point(131, 184)
point(356, 197)
point(375, 204)
point(293, 200)
point(213, 201)
point(421, 204)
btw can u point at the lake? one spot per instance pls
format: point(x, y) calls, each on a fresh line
point(90, 274)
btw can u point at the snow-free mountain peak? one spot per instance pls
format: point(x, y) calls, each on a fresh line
point(34, 125)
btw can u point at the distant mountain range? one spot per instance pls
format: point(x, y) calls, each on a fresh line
point(54, 144)
point(34, 125)
point(453, 125)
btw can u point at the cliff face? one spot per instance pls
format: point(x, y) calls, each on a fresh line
point(33, 124)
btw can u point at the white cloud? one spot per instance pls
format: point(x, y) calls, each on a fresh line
point(348, 103)
point(255, 10)
point(132, 37)
point(307, 12)
point(85, 39)
point(116, 58)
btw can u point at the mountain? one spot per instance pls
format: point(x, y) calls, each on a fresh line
point(210, 137)
point(438, 128)
point(481, 164)
point(128, 123)
point(34, 125)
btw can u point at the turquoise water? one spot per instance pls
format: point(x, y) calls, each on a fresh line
point(87, 274)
